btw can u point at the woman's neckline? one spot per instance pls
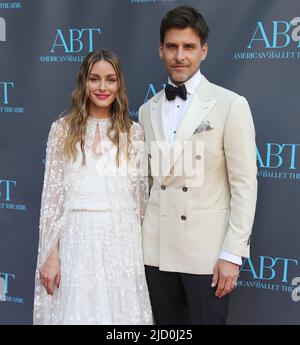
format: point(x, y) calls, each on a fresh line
point(95, 119)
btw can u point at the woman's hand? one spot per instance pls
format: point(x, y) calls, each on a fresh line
point(50, 272)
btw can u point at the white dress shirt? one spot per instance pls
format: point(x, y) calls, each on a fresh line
point(174, 113)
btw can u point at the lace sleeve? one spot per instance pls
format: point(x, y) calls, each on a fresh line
point(140, 180)
point(52, 201)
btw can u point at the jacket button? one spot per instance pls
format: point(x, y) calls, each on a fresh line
point(183, 217)
point(185, 189)
point(198, 157)
point(163, 187)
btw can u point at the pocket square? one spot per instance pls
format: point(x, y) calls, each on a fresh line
point(204, 126)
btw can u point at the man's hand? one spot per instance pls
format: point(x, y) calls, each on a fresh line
point(50, 273)
point(225, 277)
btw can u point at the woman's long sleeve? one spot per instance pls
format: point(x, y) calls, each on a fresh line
point(52, 203)
point(140, 180)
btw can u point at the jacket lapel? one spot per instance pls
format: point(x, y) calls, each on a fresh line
point(157, 115)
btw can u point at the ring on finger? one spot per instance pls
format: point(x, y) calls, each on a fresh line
point(234, 285)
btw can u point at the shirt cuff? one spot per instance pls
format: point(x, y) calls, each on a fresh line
point(230, 257)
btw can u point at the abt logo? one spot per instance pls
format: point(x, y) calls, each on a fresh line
point(75, 40)
point(278, 155)
point(2, 30)
point(282, 34)
point(269, 268)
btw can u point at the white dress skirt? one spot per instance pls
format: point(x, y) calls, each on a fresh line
point(102, 272)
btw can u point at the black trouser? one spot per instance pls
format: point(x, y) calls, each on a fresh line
point(186, 299)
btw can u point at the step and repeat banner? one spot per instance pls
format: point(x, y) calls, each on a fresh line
point(254, 50)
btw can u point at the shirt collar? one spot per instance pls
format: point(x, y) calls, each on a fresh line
point(192, 83)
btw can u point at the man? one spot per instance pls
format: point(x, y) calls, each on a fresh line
point(196, 228)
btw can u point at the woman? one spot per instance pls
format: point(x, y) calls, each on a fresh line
point(90, 266)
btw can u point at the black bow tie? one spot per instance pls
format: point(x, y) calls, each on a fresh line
point(172, 91)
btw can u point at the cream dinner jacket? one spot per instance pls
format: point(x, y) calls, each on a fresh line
point(190, 219)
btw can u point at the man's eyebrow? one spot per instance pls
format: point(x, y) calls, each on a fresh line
point(171, 44)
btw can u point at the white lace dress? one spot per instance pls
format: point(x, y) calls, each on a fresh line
point(94, 211)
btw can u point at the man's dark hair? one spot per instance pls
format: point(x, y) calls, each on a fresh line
point(183, 17)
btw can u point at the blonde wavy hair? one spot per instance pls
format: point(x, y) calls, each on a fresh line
point(75, 118)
